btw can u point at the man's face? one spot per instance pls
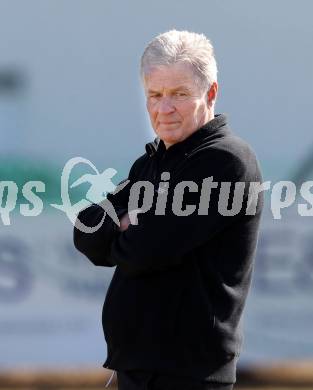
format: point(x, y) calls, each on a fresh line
point(177, 107)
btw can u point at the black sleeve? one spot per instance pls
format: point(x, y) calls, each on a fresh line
point(161, 241)
point(96, 245)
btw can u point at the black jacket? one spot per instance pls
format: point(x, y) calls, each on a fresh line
point(175, 302)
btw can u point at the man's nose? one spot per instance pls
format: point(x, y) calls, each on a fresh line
point(166, 105)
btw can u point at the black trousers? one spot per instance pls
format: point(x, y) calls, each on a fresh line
point(140, 380)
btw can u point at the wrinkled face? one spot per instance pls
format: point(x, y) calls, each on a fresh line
point(177, 107)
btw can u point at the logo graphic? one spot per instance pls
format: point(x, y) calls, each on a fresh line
point(101, 185)
point(142, 195)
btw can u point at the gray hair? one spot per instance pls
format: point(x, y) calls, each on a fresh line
point(182, 46)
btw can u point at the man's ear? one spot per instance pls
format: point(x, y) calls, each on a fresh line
point(212, 94)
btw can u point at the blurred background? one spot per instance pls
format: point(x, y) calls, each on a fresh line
point(69, 86)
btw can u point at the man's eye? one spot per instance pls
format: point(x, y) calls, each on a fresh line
point(180, 94)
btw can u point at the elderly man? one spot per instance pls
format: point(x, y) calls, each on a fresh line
point(172, 314)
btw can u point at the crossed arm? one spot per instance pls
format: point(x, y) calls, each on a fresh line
point(157, 241)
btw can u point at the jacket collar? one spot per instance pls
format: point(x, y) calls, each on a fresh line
point(211, 127)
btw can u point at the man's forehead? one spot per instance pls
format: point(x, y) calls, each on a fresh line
point(170, 77)
point(181, 87)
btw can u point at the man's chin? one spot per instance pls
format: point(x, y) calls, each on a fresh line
point(169, 136)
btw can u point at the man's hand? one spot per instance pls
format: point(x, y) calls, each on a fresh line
point(129, 218)
point(124, 222)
